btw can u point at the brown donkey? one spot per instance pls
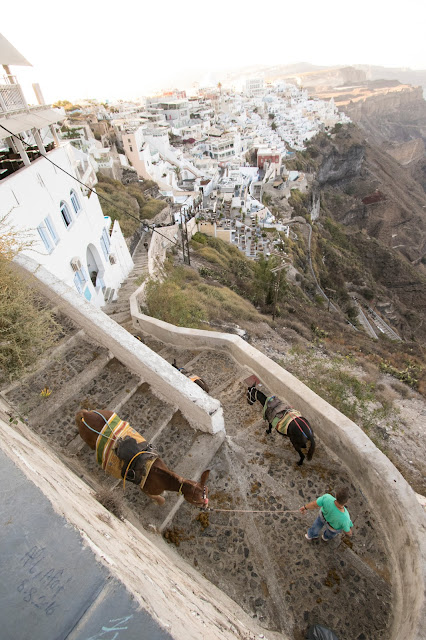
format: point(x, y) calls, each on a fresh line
point(124, 453)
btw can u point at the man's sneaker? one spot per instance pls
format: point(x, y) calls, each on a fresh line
point(325, 539)
point(308, 538)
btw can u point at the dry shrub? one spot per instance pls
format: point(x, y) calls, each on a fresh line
point(401, 389)
point(27, 328)
point(371, 372)
point(386, 395)
point(300, 328)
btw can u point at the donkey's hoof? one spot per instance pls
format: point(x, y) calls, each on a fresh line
point(299, 464)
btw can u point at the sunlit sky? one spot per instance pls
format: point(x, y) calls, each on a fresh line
point(110, 50)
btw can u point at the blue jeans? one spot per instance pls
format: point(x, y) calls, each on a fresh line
point(319, 523)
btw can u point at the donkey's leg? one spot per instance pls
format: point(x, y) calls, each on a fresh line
point(158, 499)
point(268, 430)
point(302, 456)
point(298, 446)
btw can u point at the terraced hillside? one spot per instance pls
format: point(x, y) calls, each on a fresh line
point(252, 544)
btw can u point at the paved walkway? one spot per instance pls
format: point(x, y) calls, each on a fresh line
point(52, 586)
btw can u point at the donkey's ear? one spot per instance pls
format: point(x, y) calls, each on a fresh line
point(204, 476)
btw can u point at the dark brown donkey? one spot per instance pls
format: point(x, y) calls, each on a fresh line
point(130, 451)
point(199, 381)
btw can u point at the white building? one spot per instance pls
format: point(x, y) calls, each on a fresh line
point(41, 194)
point(255, 86)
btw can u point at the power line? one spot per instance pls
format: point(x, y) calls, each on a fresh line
point(101, 197)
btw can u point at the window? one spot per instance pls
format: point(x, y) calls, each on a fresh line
point(66, 216)
point(75, 201)
point(45, 237)
point(80, 279)
point(105, 243)
point(49, 225)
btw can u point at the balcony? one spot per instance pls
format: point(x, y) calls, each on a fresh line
point(11, 97)
point(11, 161)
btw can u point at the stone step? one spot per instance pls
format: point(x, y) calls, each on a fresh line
point(96, 389)
point(66, 391)
point(116, 307)
point(67, 368)
point(119, 317)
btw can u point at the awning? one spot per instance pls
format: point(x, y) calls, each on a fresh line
point(10, 55)
point(36, 118)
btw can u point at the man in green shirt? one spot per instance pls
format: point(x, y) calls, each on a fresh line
point(333, 516)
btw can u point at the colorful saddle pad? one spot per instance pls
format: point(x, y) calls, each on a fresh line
point(106, 444)
point(281, 424)
point(278, 414)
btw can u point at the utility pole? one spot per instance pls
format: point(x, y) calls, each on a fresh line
point(329, 296)
point(184, 231)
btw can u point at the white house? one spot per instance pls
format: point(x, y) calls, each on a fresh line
point(43, 192)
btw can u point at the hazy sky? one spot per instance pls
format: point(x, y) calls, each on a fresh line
point(132, 48)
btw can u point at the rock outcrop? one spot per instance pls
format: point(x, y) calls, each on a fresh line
point(338, 167)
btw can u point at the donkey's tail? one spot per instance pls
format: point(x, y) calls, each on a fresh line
point(311, 447)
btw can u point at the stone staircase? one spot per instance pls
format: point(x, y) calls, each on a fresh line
point(80, 374)
point(119, 309)
point(254, 550)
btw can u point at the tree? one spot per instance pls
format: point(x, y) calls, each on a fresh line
point(178, 173)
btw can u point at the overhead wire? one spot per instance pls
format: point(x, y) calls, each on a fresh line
point(101, 197)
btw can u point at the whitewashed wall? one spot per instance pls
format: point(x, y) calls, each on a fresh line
point(36, 192)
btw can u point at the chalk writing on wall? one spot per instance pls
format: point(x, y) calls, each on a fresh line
point(42, 583)
point(112, 631)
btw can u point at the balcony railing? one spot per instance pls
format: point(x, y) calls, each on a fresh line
point(11, 98)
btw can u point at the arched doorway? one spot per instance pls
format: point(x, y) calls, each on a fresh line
point(95, 267)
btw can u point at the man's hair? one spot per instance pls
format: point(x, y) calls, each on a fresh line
point(342, 494)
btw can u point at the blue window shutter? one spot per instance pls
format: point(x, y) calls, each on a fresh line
point(78, 283)
point(49, 224)
point(45, 237)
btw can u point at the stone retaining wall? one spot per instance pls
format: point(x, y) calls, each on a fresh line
point(395, 503)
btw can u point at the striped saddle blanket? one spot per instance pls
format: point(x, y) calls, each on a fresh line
point(278, 414)
point(110, 439)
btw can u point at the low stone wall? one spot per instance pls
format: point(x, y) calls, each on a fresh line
point(162, 239)
point(395, 504)
point(201, 410)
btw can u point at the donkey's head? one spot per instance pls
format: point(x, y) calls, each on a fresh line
point(252, 394)
point(196, 493)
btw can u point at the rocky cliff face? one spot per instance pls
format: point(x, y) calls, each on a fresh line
point(355, 169)
point(387, 112)
point(339, 167)
point(403, 102)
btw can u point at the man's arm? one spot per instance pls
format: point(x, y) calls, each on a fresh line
point(310, 505)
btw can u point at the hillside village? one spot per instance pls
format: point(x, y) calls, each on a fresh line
point(215, 162)
point(196, 150)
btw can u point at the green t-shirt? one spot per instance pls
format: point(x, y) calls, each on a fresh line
point(335, 518)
